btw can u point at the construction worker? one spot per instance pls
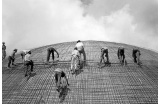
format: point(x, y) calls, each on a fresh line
point(50, 51)
point(80, 48)
point(121, 55)
point(28, 62)
point(104, 54)
point(23, 53)
point(11, 58)
point(3, 51)
point(59, 76)
point(75, 60)
point(136, 56)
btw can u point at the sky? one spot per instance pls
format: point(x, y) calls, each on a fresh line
point(28, 24)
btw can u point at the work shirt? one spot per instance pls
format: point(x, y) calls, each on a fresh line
point(58, 70)
point(79, 46)
point(75, 53)
point(13, 54)
point(27, 57)
point(3, 47)
point(121, 51)
point(135, 52)
point(104, 51)
point(25, 51)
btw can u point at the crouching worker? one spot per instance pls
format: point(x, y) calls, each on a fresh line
point(75, 60)
point(136, 56)
point(60, 79)
point(11, 58)
point(104, 54)
point(50, 51)
point(121, 55)
point(28, 62)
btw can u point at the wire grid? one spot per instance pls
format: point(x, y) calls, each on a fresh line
point(110, 85)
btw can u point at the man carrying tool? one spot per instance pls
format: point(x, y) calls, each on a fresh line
point(121, 55)
point(3, 51)
point(50, 51)
point(28, 62)
point(136, 56)
point(11, 58)
point(80, 48)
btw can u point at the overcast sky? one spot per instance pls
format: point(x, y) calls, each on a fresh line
point(33, 23)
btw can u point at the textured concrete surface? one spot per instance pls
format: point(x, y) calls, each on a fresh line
point(116, 84)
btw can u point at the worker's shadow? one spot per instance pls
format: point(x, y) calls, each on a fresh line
point(63, 93)
point(77, 72)
point(31, 75)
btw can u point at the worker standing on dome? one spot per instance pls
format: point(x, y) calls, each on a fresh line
point(11, 58)
point(28, 62)
point(80, 48)
point(104, 54)
point(60, 79)
point(121, 55)
point(3, 50)
point(136, 56)
point(75, 60)
point(50, 51)
point(23, 53)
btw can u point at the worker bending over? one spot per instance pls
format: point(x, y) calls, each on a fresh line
point(11, 58)
point(50, 51)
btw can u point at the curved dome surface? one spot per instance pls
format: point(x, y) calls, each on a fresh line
point(116, 84)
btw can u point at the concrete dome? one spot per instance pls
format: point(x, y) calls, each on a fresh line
point(110, 85)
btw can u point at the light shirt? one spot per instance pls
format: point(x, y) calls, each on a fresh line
point(79, 46)
point(75, 53)
point(58, 70)
point(25, 51)
point(13, 54)
point(27, 57)
point(105, 47)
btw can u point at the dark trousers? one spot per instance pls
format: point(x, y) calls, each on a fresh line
point(122, 57)
point(48, 55)
point(84, 55)
point(137, 57)
point(3, 54)
point(135, 61)
point(57, 76)
point(29, 63)
point(10, 60)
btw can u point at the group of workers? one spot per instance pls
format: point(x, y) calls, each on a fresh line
point(75, 59)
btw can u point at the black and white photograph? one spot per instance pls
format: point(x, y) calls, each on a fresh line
point(79, 52)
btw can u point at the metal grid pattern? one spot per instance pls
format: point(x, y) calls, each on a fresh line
point(110, 85)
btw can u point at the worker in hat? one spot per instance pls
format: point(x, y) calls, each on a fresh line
point(3, 50)
point(28, 62)
point(11, 58)
point(80, 48)
point(50, 51)
point(59, 75)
